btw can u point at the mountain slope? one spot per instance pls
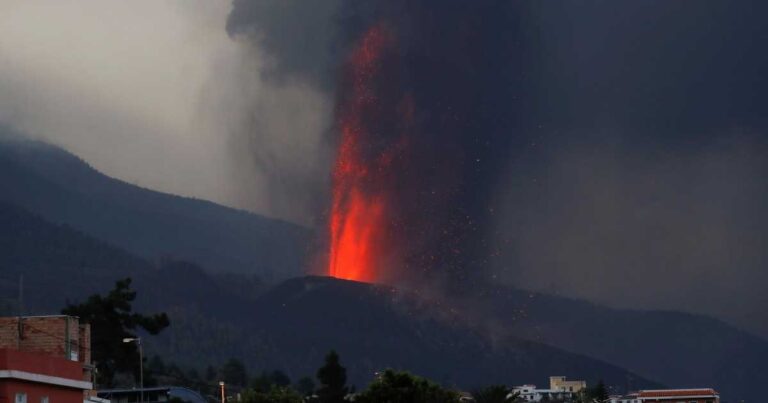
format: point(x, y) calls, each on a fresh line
point(377, 327)
point(676, 348)
point(62, 188)
point(290, 327)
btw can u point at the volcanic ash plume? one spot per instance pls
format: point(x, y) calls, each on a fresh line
point(427, 104)
point(421, 138)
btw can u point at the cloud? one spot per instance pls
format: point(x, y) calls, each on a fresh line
point(643, 227)
point(119, 84)
point(157, 93)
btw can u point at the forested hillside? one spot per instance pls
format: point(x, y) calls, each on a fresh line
point(288, 327)
point(59, 186)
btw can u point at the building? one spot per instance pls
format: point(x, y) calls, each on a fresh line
point(559, 383)
point(705, 395)
point(559, 389)
point(44, 359)
point(152, 395)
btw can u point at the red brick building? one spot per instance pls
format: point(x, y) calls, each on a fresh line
point(670, 396)
point(44, 359)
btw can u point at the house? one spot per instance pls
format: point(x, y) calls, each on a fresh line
point(706, 395)
point(44, 359)
point(561, 384)
point(559, 389)
point(152, 395)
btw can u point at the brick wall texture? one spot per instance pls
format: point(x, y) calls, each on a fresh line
point(59, 336)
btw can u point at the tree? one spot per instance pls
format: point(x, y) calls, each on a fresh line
point(494, 394)
point(210, 373)
point(112, 320)
point(156, 365)
point(597, 393)
point(305, 386)
point(233, 373)
point(402, 387)
point(276, 394)
point(333, 380)
point(264, 381)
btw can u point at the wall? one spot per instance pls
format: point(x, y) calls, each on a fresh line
point(39, 363)
point(48, 334)
point(35, 391)
point(58, 336)
point(560, 383)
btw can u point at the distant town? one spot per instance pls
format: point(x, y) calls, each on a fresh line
point(48, 359)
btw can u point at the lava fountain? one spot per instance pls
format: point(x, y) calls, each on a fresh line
point(359, 220)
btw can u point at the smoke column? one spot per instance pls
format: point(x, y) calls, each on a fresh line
point(423, 130)
point(430, 103)
point(604, 133)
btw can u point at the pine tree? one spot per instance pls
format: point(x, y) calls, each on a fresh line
point(333, 380)
point(599, 393)
point(112, 320)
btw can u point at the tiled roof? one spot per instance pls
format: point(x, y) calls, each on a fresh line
point(676, 393)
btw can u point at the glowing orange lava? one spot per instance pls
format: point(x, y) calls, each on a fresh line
point(358, 213)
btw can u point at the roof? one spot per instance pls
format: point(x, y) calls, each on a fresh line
point(137, 390)
point(677, 393)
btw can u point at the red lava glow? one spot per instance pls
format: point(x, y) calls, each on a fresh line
point(358, 219)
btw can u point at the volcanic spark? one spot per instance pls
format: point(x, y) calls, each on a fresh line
point(358, 218)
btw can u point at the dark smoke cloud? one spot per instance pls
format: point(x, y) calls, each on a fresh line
point(645, 185)
point(465, 93)
point(302, 37)
point(544, 130)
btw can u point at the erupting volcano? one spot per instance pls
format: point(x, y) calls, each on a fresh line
point(425, 116)
point(359, 211)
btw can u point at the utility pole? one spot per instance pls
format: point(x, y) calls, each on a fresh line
point(137, 340)
point(141, 368)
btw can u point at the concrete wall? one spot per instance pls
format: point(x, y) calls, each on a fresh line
point(560, 383)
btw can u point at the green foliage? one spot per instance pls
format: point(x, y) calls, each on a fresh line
point(156, 365)
point(305, 386)
point(494, 394)
point(333, 380)
point(595, 394)
point(402, 387)
point(112, 319)
point(266, 380)
point(210, 373)
point(276, 394)
point(233, 373)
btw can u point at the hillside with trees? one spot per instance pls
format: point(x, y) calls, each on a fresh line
point(62, 188)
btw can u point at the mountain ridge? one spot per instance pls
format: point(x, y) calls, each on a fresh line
point(62, 188)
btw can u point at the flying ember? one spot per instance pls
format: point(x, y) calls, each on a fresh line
point(358, 221)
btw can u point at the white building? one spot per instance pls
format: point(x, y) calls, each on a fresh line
point(559, 388)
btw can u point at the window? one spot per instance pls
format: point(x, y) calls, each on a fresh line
point(21, 397)
point(44, 399)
